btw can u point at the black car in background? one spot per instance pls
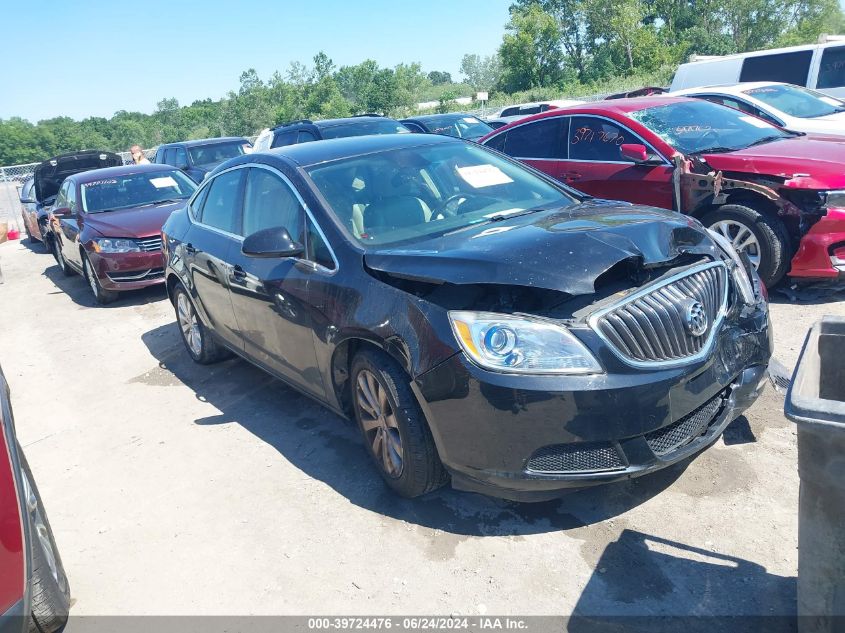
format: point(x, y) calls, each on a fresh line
point(34, 216)
point(197, 158)
point(454, 124)
point(305, 130)
point(478, 319)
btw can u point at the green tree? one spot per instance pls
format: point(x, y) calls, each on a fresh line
point(530, 51)
point(482, 73)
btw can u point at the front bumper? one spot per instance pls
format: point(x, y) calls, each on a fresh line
point(128, 271)
point(502, 434)
point(813, 259)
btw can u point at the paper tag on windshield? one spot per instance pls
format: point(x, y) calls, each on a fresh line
point(468, 119)
point(755, 121)
point(831, 101)
point(479, 176)
point(163, 182)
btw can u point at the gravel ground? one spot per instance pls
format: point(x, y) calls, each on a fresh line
point(179, 489)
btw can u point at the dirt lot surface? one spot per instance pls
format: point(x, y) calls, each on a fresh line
point(179, 489)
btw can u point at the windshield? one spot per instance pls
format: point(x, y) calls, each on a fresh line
point(415, 193)
point(136, 190)
point(699, 126)
point(210, 155)
point(798, 102)
point(463, 126)
point(364, 128)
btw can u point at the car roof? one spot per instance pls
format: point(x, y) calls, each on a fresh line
point(207, 141)
point(347, 120)
point(307, 154)
point(735, 88)
point(112, 172)
point(431, 117)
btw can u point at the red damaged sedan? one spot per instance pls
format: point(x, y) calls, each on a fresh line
point(778, 196)
point(107, 225)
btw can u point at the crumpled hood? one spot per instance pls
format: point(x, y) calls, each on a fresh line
point(807, 162)
point(564, 250)
point(133, 222)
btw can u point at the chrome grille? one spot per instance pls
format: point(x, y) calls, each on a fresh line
point(150, 244)
point(651, 327)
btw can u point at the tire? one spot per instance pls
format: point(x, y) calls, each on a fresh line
point(201, 346)
point(49, 587)
point(421, 470)
point(67, 271)
point(101, 295)
point(772, 241)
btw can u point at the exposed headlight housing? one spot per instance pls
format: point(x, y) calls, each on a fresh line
point(833, 199)
point(115, 245)
point(740, 275)
point(520, 344)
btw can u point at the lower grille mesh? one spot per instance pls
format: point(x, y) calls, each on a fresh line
point(576, 458)
point(669, 438)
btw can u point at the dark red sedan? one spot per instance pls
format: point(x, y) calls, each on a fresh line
point(34, 591)
point(107, 225)
point(778, 196)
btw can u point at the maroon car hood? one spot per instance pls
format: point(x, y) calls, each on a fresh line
point(807, 162)
point(133, 222)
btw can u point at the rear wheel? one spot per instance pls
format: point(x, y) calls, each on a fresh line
point(202, 348)
point(60, 259)
point(50, 590)
point(101, 295)
point(394, 428)
point(760, 236)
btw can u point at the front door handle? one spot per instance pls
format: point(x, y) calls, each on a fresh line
point(238, 273)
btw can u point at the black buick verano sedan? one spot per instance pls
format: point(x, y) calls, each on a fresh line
point(480, 321)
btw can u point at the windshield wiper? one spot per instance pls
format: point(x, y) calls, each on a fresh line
point(716, 149)
point(159, 202)
point(766, 139)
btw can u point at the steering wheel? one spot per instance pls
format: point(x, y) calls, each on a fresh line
point(712, 134)
point(449, 208)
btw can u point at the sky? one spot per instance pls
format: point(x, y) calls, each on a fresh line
point(95, 57)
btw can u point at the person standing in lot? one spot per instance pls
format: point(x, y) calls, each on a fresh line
point(138, 156)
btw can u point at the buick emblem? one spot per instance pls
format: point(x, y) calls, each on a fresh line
point(695, 318)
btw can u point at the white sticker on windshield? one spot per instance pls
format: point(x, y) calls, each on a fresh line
point(163, 182)
point(479, 176)
point(755, 121)
point(831, 101)
point(468, 119)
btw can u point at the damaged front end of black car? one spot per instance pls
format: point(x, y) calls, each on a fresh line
point(622, 340)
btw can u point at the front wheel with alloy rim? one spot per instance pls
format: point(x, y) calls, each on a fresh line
point(761, 236)
point(101, 295)
point(199, 343)
point(393, 426)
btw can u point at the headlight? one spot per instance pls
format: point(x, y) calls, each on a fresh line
point(739, 274)
point(833, 199)
point(521, 345)
point(112, 245)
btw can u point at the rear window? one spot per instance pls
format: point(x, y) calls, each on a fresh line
point(832, 68)
point(209, 155)
point(789, 68)
point(364, 128)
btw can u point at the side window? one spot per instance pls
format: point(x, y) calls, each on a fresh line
point(269, 202)
point(196, 206)
point(222, 202)
point(790, 68)
point(497, 142)
point(170, 156)
point(414, 127)
point(61, 197)
point(512, 111)
point(318, 250)
point(305, 137)
point(181, 158)
point(832, 68)
point(71, 198)
point(540, 139)
point(597, 140)
point(284, 138)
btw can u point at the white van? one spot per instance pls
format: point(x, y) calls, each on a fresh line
point(817, 66)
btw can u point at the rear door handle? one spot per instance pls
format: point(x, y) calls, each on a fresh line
point(189, 249)
point(238, 273)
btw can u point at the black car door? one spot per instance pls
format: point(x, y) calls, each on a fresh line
point(207, 247)
point(270, 294)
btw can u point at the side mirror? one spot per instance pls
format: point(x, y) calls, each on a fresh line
point(28, 201)
point(274, 242)
point(62, 212)
point(634, 152)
